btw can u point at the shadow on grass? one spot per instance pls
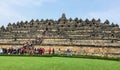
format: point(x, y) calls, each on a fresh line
point(63, 55)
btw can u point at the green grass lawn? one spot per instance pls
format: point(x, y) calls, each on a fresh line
point(56, 63)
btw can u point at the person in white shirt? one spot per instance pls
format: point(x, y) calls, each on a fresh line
point(59, 51)
point(1, 50)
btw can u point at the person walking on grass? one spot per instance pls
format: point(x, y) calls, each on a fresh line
point(59, 51)
point(49, 50)
point(69, 52)
point(1, 51)
point(40, 51)
point(53, 51)
point(43, 51)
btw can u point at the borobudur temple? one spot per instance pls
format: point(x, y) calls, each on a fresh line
point(87, 37)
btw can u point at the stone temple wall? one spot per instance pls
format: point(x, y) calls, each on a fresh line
point(88, 37)
point(78, 50)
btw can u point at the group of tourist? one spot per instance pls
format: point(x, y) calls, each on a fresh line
point(36, 51)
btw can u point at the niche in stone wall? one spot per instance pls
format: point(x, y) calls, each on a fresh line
point(75, 25)
point(112, 35)
point(62, 26)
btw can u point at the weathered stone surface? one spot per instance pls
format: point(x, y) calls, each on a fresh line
point(83, 36)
